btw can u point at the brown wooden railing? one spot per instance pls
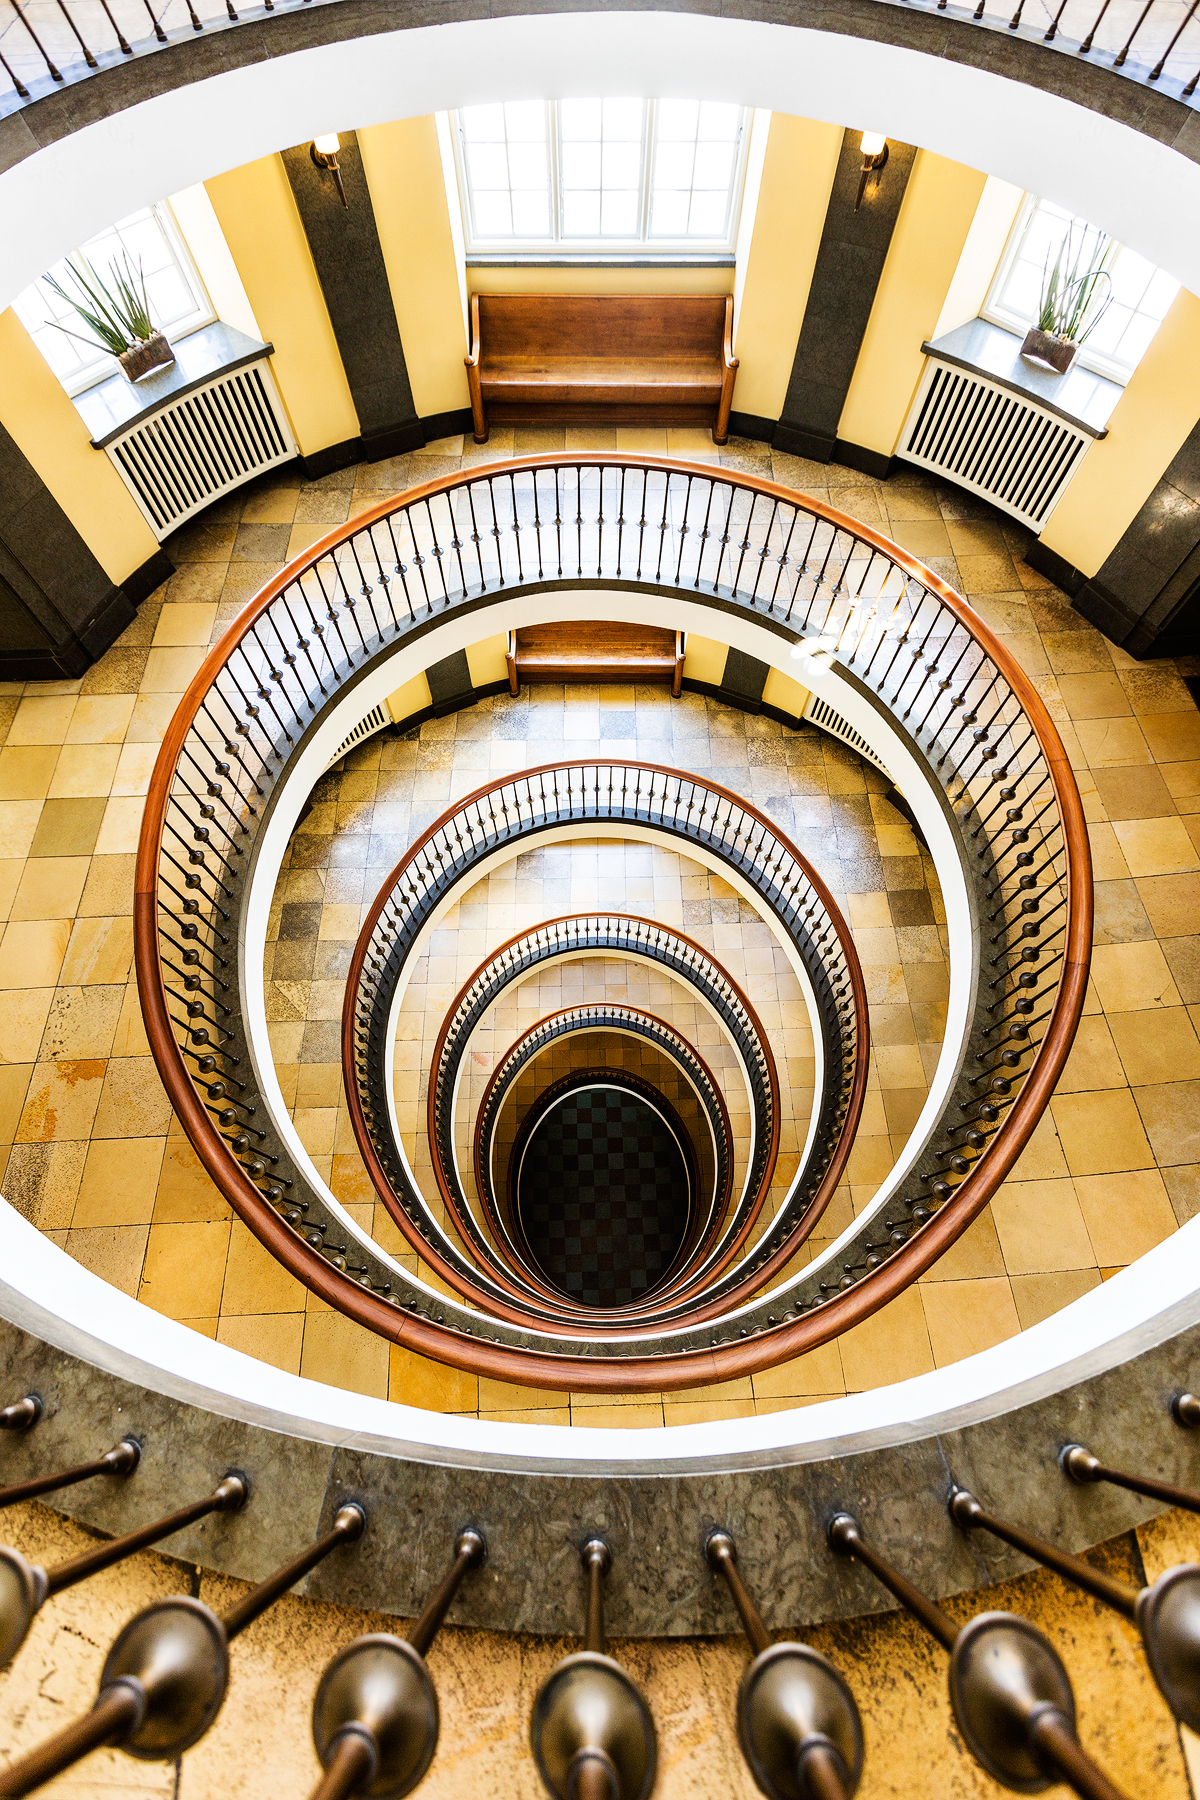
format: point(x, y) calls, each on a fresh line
point(911, 646)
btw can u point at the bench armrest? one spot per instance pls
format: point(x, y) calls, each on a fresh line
point(729, 366)
point(478, 415)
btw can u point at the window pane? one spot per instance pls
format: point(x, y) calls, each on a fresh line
point(1159, 295)
point(669, 213)
point(622, 165)
point(581, 165)
point(581, 213)
point(580, 119)
point(677, 119)
point(619, 213)
point(623, 119)
point(507, 169)
point(708, 214)
point(714, 165)
point(673, 164)
point(718, 122)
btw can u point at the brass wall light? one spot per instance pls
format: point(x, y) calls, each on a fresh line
point(874, 156)
point(324, 153)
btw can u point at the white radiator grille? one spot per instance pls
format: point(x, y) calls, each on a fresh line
point(821, 714)
point(376, 719)
point(185, 456)
point(1001, 445)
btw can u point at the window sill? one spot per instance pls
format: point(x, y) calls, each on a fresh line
point(114, 405)
point(593, 260)
point(1080, 397)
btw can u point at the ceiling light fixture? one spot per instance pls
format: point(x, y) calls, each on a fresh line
point(874, 155)
point(324, 153)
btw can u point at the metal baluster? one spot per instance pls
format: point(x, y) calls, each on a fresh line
point(1167, 1613)
point(51, 70)
point(24, 1589)
point(798, 1725)
point(1011, 1695)
point(121, 1460)
point(22, 1414)
point(375, 1716)
point(591, 1731)
point(165, 1677)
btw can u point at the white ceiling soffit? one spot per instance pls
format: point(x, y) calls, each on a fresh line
point(1136, 188)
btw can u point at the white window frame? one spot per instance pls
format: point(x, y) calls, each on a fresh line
point(996, 312)
point(558, 245)
point(103, 366)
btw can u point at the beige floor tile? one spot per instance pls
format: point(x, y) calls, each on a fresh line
point(1172, 737)
point(119, 1182)
point(1132, 977)
point(1156, 846)
point(817, 1372)
point(170, 670)
point(26, 770)
point(416, 1381)
point(890, 1346)
point(1036, 1297)
point(343, 1354)
point(84, 770)
point(184, 1269)
point(134, 1102)
point(503, 1396)
point(965, 1317)
point(1094, 696)
point(114, 1252)
point(187, 1194)
point(1162, 1048)
point(254, 1281)
point(185, 624)
point(705, 1412)
point(42, 721)
point(975, 1255)
point(19, 821)
point(121, 826)
point(274, 1338)
point(1101, 1133)
point(1126, 1214)
point(100, 950)
point(1041, 1228)
point(134, 769)
point(14, 1085)
point(1171, 1115)
point(32, 952)
point(553, 1415)
point(100, 719)
point(1106, 743)
point(1093, 1062)
point(22, 1023)
point(50, 888)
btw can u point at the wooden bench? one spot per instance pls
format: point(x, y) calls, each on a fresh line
point(595, 650)
point(601, 359)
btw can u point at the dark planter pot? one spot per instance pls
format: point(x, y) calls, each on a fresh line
point(1049, 352)
point(143, 359)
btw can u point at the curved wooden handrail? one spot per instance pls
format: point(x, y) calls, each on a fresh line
point(672, 1369)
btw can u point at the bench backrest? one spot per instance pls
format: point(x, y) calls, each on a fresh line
point(629, 326)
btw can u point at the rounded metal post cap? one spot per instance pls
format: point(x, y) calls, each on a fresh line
point(380, 1687)
point(1185, 1410)
point(1079, 1464)
point(595, 1550)
point(175, 1653)
point(1168, 1617)
point(719, 1547)
point(589, 1703)
point(1003, 1676)
point(843, 1534)
point(791, 1699)
point(471, 1542)
point(22, 1590)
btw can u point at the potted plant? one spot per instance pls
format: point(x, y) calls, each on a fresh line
point(1073, 300)
point(118, 315)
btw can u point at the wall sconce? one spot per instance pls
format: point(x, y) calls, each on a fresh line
point(874, 155)
point(324, 153)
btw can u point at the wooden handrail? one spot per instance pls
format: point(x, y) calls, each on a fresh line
point(671, 1370)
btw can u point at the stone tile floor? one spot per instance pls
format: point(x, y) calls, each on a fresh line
point(95, 1159)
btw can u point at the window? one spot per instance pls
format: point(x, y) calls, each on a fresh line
point(1141, 293)
point(601, 175)
point(178, 302)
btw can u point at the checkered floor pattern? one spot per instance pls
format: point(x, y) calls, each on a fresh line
point(602, 1195)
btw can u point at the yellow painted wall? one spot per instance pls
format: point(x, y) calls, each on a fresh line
point(258, 216)
point(35, 411)
point(936, 215)
point(788, 695)
point(994, 218)
point(403, 166)
point(1158, 409)
point(793, 195)
point(704, 660)
point(412, 698)
point(600, 281)
point(485, 661)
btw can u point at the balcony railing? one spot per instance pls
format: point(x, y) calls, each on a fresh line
point(49, 43)
point(850, 602)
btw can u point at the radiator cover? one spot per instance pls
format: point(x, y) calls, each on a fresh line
point(196, 448)
point(991, 441)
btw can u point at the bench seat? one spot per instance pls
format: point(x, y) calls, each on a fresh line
point(594, 650)
point(650, 360)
